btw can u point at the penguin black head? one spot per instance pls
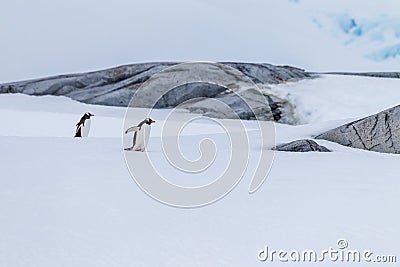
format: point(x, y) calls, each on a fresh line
point(149, 121)
point(88, 115)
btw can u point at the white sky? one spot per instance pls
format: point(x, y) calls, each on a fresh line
point(46, 37)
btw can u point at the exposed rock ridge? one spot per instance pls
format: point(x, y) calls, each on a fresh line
point(304, 145)
point(116, 86)
point(395, 75)
point(379, 132)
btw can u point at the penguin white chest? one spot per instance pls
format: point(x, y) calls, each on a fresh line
point(142, 137)
point(85, 128)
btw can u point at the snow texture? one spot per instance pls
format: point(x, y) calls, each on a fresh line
point(72, 202)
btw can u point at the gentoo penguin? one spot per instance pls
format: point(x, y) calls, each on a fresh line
point(141, 136)
point(83, 126)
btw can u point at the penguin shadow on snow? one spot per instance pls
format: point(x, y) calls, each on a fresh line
point(141, 135)
point(83, 126)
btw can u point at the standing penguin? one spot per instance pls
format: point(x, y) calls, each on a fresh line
point(83, 126)
point(141, 136)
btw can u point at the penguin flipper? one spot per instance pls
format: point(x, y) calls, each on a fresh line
point(132, 129)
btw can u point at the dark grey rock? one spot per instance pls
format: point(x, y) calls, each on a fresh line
point(379, 132)
point(301, 146)
point(116, 86)
point(394, 75)
point(248, 105)
point(269, 74)
point(188, 91)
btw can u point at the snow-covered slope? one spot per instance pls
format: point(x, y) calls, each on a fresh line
point(316, 35)
point(336, 97)
point(72, 202)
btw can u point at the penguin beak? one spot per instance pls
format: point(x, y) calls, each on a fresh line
point(91, 114)
point(151, 121)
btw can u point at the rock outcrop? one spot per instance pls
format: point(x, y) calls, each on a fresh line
point(301, 146)
point(393, 75)
point(379, 132)
point(116, 87)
